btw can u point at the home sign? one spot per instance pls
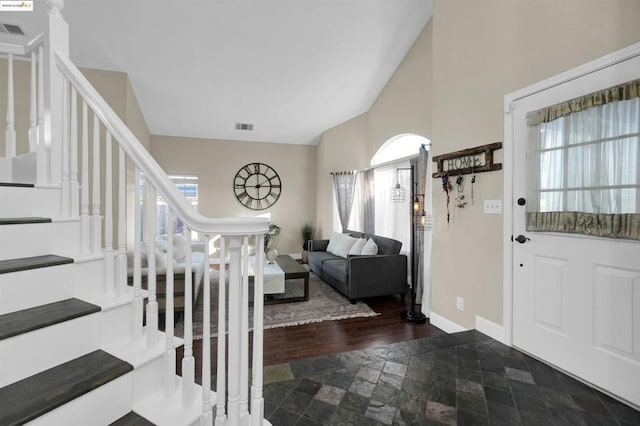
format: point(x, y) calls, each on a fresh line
point(467, 161)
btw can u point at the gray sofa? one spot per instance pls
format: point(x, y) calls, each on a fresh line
point(362, 276)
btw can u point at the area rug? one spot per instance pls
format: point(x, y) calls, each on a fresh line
point(324, 304)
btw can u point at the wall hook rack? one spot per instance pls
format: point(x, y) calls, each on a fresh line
point(467, 161)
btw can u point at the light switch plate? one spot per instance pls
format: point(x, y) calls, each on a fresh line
point(493, 206)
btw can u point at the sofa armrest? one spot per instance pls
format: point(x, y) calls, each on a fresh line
point(377, 275)
point(318, 245)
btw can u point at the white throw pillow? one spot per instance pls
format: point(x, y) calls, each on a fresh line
point(333, 242)
point(370, 248)
point(356, 248)
point(345, 243)
point(179, 247)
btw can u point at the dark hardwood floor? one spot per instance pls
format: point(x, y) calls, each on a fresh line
point(282, 345)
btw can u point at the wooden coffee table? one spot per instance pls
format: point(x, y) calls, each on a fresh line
point(292, 271)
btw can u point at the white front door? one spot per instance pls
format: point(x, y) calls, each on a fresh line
point(576, 299)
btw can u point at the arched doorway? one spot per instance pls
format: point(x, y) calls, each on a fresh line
point(396, 219)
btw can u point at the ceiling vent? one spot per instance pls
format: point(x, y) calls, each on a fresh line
point(244, 126)
point(11, 29)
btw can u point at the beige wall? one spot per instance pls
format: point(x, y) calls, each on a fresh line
point(216, 162)
point(450, 88)
point(403, 107)
point(342, 148)
point(481, 52)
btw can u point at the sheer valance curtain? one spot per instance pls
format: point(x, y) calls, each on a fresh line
point(583, 165)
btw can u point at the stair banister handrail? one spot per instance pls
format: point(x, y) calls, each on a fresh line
point(151, 169)
point(22, 49)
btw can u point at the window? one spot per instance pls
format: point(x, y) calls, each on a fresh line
point(584, 163)
point(188, 186)
point(399, 146)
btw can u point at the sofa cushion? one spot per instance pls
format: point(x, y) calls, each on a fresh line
point(345, 243)
point(387, 245)
point(370, 248)
point(317, 258)
point(333, 242)
point(356, 248)
point(337, 268)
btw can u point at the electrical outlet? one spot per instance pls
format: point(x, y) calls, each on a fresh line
point(493, 206)
point(460, 303)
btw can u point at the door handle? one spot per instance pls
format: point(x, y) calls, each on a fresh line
point(522, 239)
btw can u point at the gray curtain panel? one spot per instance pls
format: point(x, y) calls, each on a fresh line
point(344, 184)
point(369, 210)
point(420, 176)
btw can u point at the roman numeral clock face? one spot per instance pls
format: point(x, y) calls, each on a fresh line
point(257, 186)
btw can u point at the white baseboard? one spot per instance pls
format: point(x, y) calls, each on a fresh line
point(296, 255)
point(491, 329)
point(445, 324)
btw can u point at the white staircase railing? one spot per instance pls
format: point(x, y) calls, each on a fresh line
point(93, 156)
point(34, 136)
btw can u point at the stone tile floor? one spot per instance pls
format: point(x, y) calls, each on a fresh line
point(457, 379)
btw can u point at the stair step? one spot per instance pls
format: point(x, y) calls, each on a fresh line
point(26, 263)
point(34, 396)
point(18, 185)
point(16, 323)
point(132, 419)
point(23, 220)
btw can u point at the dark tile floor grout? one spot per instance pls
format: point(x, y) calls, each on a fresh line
point(457, 379)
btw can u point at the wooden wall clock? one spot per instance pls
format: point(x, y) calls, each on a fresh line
point(257, 186)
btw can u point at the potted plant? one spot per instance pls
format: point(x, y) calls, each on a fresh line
point(308, 232)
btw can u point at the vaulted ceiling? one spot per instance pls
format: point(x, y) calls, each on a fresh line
point(291, 68)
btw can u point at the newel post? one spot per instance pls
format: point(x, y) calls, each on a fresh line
point(56, 41)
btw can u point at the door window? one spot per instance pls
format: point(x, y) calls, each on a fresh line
point(583, 165)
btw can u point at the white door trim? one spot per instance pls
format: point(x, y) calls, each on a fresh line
point(621, 55)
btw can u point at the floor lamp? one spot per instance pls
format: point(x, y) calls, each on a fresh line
point(418, 218)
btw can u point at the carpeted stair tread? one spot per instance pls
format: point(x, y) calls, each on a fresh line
point(26, 263)
point(132, 419)
point(18, 185)
point(34, 396)
point(26, 320)
point(23, 220)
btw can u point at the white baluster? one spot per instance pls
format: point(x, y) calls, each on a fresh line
point(65, 195)
point(84, 198)
point(122, 224)
point(257, 400)
point(10, 134)
point(137, 270)
point(206, 418)
point(188, 366)
point(74, 187)
point(40, 125)
point(244, 334)
point(96, 220)
point(152, 302)
point(43, 153)
point(235, 301)
point(33, 117)
point(222, 327)
point(170, 353)
point(108, 216)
